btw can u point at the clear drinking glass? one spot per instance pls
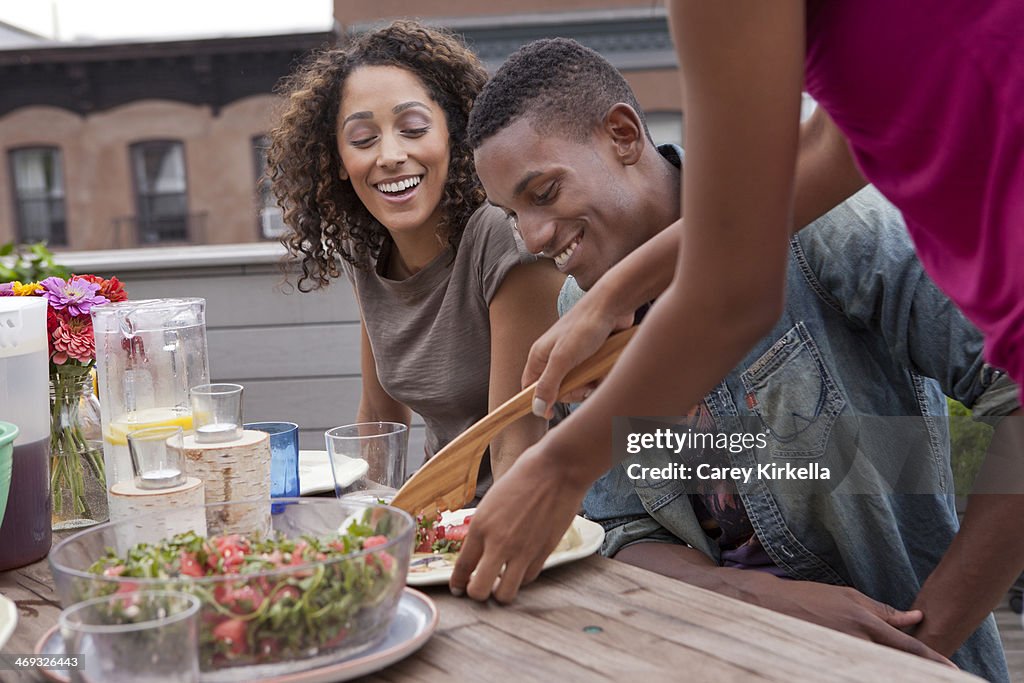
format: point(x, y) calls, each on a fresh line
point(217, 412)
point(368, 455)
point(158, 457)
point(134, 637)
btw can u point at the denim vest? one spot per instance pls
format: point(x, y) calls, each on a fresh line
point(864, 333)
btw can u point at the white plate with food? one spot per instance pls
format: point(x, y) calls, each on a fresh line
point(315, 475)
point(8, 619)
point(434, 568)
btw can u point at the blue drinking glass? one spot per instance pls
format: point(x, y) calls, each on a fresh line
point(284, 457)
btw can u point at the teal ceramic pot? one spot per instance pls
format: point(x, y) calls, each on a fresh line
point(8, 433)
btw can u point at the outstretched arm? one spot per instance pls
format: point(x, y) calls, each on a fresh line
point(837, 607)
point(987, 553)
point(743, 70)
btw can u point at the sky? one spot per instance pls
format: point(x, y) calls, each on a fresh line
point(120, 19)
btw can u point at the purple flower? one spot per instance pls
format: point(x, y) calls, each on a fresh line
point(7, 289)
point(76, 295)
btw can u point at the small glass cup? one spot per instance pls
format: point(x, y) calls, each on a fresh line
point(368, 455)
point(217, 412)
point(134, 637)
point(284, 457)
point(158, 457)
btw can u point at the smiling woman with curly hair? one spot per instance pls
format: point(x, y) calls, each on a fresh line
point(371, 165)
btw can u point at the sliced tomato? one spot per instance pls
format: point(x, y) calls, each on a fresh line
point(427, 538)
point(374, 541)
point(299, 553)
point(386, 561)
point(232, 634)
point(232, 548)
point(189, 565)
point(243, 599)
point(457, 532)
point(274, 557)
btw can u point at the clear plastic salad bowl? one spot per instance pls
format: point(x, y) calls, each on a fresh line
point(264, 613)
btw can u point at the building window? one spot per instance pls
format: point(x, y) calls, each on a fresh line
point(666, 127)
point(38, 175)
point(269, 216)
point(161, 191)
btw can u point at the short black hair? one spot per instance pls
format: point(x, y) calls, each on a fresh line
point(559, 83)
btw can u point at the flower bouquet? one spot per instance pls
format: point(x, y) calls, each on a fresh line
point(76, 462)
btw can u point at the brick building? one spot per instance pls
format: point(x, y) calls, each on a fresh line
point(113, 144)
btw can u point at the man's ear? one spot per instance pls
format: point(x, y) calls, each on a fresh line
point(622, 125)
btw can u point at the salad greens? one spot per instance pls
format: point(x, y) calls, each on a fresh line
point(277, 598)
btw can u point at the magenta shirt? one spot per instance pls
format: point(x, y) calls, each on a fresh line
point(930, 94)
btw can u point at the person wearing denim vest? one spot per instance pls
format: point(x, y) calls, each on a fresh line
point(865, 337)
point(864, 332)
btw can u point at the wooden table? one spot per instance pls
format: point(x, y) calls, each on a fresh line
point(596, 619)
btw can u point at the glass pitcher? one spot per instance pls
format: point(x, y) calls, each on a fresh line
point(149, 354)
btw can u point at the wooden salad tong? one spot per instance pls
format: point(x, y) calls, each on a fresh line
point(448, 480)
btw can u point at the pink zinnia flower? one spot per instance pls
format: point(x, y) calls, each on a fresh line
point(76, 295)
point(72, 338)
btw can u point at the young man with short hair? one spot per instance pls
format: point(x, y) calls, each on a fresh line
point(561, 145)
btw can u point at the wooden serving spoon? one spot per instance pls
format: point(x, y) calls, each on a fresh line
point(448, 480)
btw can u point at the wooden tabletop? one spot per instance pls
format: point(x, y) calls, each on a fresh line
point(595, 619)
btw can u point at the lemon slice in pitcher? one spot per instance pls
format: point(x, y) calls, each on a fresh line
point(117, 432)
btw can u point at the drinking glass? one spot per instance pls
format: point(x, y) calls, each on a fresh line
point(217, 412)
point(134, 637)
point(284, 457)
point(368, 455)
point(157, 457)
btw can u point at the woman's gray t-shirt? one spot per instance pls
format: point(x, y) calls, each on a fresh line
point(430, 333)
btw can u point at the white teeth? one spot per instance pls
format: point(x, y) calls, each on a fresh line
point(400, 186)
point(561, 259)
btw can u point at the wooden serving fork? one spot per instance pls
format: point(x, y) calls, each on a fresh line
point(448, 480)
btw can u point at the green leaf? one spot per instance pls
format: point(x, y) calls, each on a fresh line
point(29, 263)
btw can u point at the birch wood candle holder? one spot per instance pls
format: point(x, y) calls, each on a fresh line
point(128, 501)
point(234, 471)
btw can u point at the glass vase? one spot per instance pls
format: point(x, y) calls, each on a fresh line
point(77, 479)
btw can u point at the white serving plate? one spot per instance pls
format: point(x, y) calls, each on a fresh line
point(315, 474)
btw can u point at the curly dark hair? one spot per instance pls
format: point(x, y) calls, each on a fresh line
point(303, 163)
point(562, 85)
